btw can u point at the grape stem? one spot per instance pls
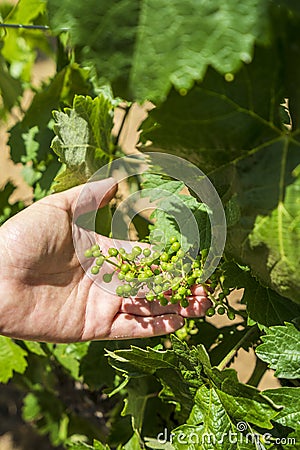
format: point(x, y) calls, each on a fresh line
point(113, 263)
point(258, 372)
point(225, 361)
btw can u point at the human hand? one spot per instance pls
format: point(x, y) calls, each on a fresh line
point(46, 295)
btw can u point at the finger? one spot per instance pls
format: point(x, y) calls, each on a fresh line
point(86, 198)
point(198, 306)
point(198, 289)
point(127, 326)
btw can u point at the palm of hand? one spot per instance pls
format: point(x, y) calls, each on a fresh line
point(48, 295)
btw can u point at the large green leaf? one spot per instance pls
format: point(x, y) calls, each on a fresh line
point(216, 430)
point(264, 305)
point(233, 132)
point(281, 349)
point(187, 371)
point(151, 45)
point(12, 359)
point(83, 140)
point(289, 398)
point(176, 214)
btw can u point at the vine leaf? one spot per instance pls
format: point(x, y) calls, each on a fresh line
point(176, 213)
point(12, 359)
point(289, 398)
point(83, 140)
point(264, 305)
point(281, 350)
point(233, 132)
point(166, 42)
point(186, 372)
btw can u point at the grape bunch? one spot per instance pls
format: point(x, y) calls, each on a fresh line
point(166, 276)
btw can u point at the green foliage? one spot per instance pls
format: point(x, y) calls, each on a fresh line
point(7, 209)
point(263, 304)
point(289, 398)
point(146, 47)
point(281, 349)
point(83, 139)
point(223, 77)
point(237, 138)
point(12, 359)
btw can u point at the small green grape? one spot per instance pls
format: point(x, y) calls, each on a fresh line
point(173, 239)
point(120, 291)
point(142, 277)
point(162, 300)
point(159, 279)
point(88, 253)
point(175, 246)
point(186, 267)
point(137, 250)
point(170, 267)
point(184, 303)
point(230, 314)
point(213, 285)
point(107, 277)
point(177, 297)
point(99, 261)
point(174, 259)
point(166, 286)
point(180, 253)
point(130, 256)
point(182, 290)
point(121, 276)
point(127, 289)
point(148, 261)
point(155, 255)
point(148, 272)
point(158, 289)
point(96, 253)
point(95, 270)
point(210, 312)
point(164, 265)
point(221, 296)
point(197, 273)
point(129, 276)
point(150, 297)
point(204, 253)
point(174, 300)
point(125, 267)
point(122, 251)
point(112, 251)
point(195, 265)
point(221, 310)
point(164, 257)
point(147, 252)
point(191, 280)
point(95, 247)
point(226, 292)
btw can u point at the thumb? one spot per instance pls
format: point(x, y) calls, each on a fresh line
point(87, 197)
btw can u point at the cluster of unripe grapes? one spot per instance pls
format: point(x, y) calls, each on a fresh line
point(166, 276)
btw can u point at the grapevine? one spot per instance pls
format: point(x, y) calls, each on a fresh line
point(167, 276)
